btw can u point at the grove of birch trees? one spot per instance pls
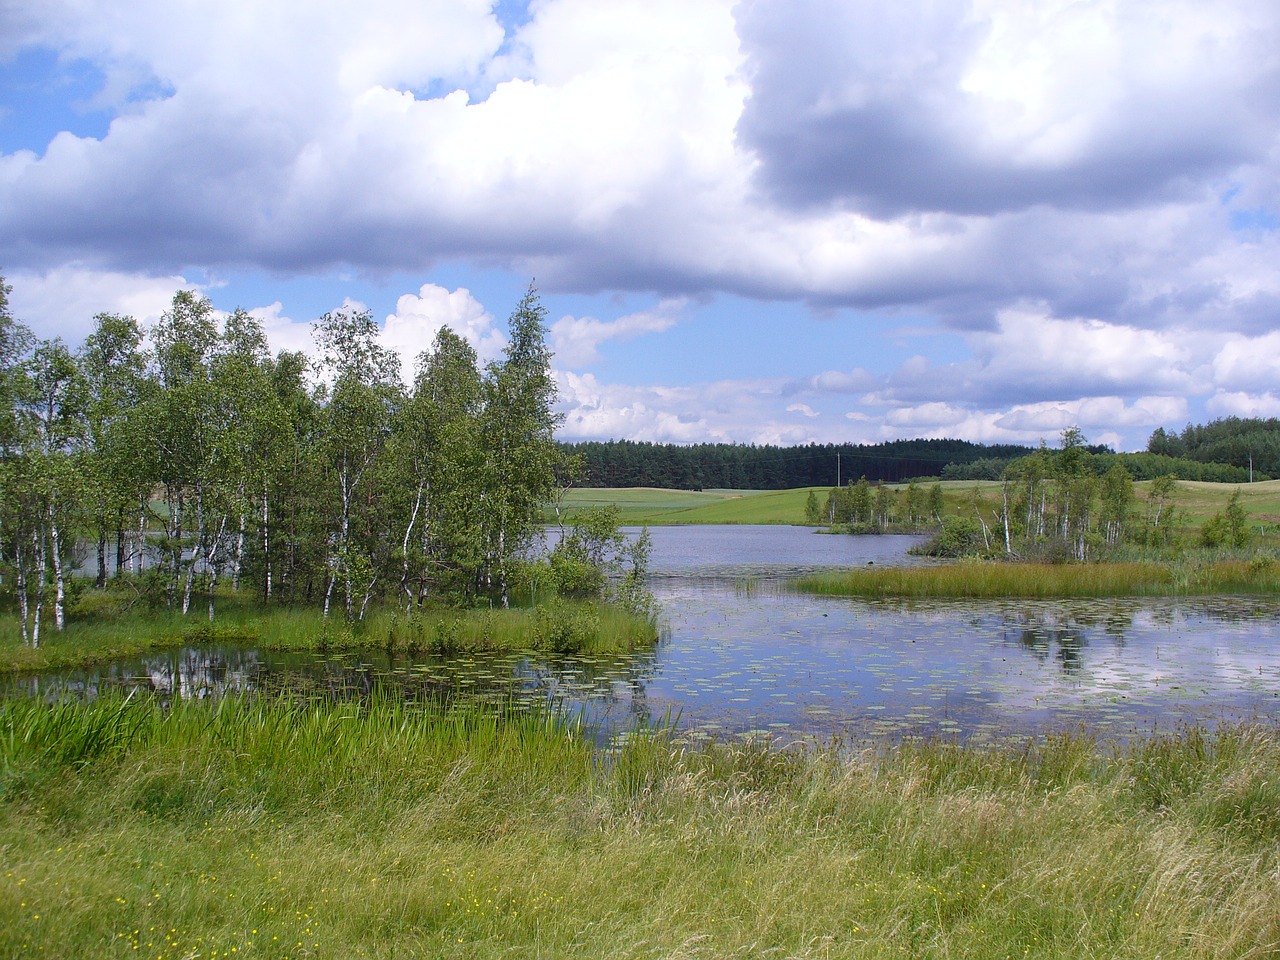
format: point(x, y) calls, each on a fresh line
point(188, 456)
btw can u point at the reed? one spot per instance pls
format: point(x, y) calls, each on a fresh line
point(992, 579)
point(276, 828)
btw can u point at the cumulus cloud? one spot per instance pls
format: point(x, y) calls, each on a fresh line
point(983, 107)
point(1084, 193)
point(284, 333)
point(576, 340)
point(1248, 363)
point(412, 329)
point(960, 157)
point(1238, 404)
point(63, 301)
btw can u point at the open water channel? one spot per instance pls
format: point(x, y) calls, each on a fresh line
point(741, 655)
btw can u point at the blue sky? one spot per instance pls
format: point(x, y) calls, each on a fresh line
point(767, 221)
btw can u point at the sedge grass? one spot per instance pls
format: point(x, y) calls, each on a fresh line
point(558, 626)
point(262, 828)
point(994, 579)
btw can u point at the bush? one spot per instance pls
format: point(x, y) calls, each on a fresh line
point(959, 537)
point(564, 628)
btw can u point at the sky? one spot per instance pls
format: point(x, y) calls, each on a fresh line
point(764, 221)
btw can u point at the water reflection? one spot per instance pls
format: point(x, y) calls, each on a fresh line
point(741, 655)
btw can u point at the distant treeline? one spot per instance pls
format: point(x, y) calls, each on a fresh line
point(625, 463)
point(1140, 466)
point(1233, 440)
point(701, 466)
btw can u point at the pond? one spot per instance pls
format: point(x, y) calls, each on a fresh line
point(743, 656)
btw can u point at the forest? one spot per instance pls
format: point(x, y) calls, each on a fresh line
point(191, 457)
point(733, 466)
point(1249, 444)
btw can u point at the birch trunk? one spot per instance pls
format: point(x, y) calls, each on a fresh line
point(266, 545)
point(60, 584)
point(404, 547)
point(235, 566)
point(210, 557)
point(24, 607)
point(195, 550)
point(41, 570)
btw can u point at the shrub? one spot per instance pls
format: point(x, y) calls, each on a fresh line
point(959, 537)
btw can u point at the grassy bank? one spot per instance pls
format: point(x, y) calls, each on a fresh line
point(561, 626)
point(993, 579)
point(269, 829)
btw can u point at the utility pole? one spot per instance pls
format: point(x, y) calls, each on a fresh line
point(837, 469)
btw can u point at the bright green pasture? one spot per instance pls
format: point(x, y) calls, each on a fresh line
point(269, 829)
point(1195, 502)
point(651, 506)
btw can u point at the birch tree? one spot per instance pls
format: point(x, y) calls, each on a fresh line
point(358, 411)
point(518, 434)
point(113, 373)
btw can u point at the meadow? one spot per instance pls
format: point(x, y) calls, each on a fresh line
point(1195, 502)
point(650, 506)
point(284, 829)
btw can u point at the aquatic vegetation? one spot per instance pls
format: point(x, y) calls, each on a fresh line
point(581, 626)
point(996, 579)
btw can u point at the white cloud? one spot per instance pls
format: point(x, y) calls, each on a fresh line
point(1053, 182)
point(1237, 404)
point(284, 333)
point(1248, 363)
point(576, 340)
point(802, 408)
point(928, 416)
point(62, 302)
point(419, 317)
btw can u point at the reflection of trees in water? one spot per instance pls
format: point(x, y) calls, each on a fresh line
point(1063, 632)
point(190, 673)
point(1066, 645)
point(591, 686)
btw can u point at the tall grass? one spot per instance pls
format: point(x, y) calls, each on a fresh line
point(281, 829)
point(991, 579)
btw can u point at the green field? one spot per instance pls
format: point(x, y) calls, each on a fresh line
point(258, 828)
point(1195, 502)
point(651, 506)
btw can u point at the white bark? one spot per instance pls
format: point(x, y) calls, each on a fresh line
point(60, 586)
point(266, 543)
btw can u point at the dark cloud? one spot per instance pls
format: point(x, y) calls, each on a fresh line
point(865, 106)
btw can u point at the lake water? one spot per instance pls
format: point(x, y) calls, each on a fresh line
point(741, 655)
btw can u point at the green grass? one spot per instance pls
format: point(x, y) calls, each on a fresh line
point(561, 626)
point(654, 507)
point(1196, 502)
point(994, 579)
point(265, 828)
